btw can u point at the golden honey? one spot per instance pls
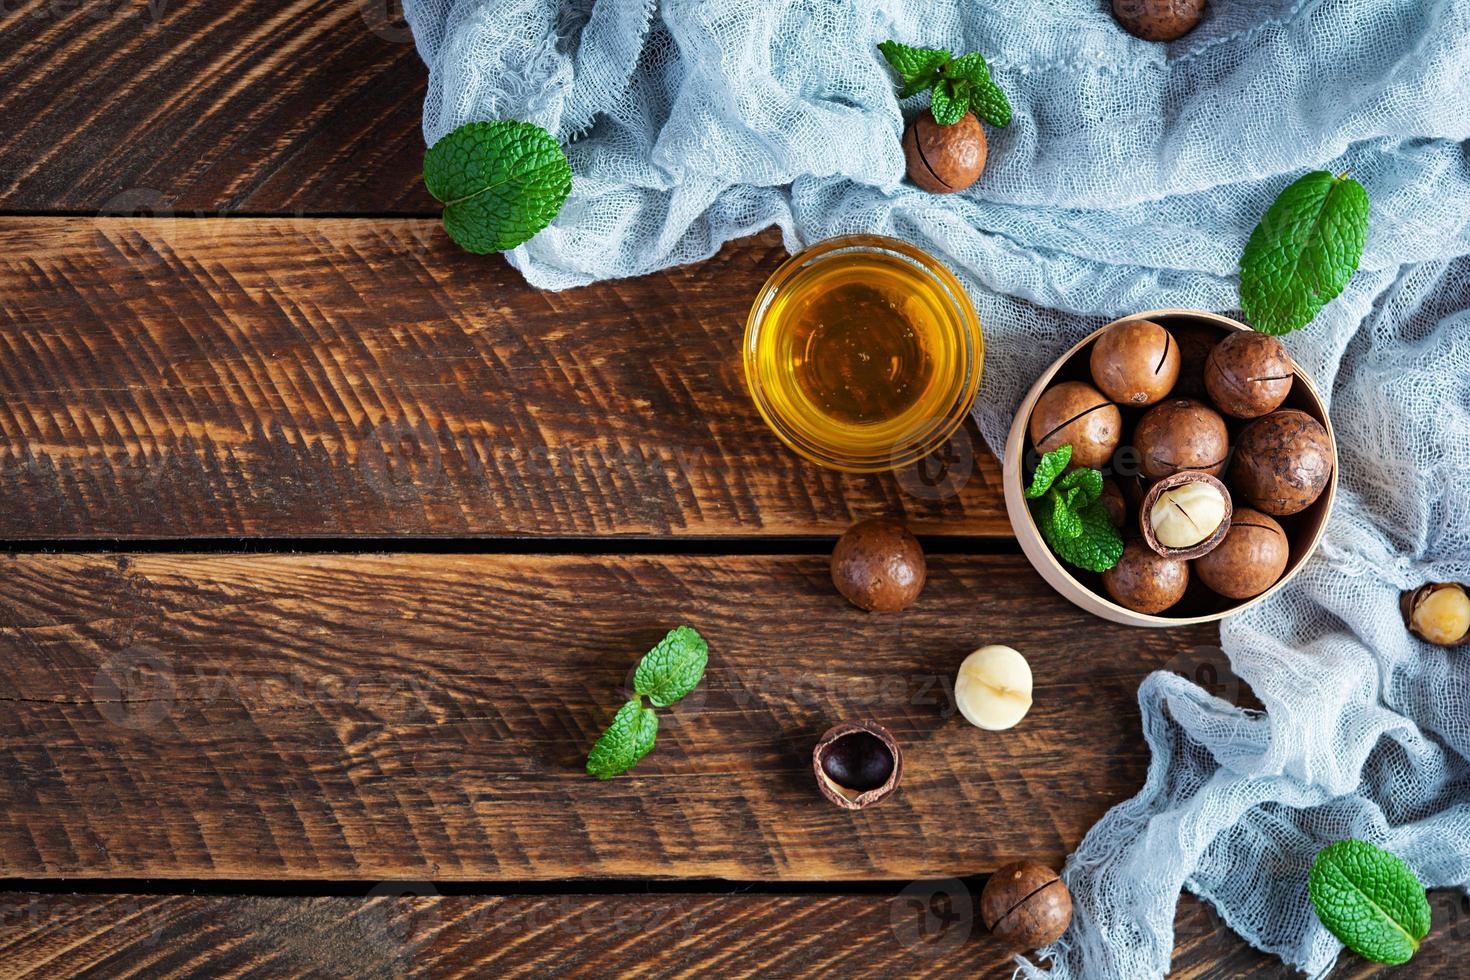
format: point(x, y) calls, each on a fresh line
point(863, 353)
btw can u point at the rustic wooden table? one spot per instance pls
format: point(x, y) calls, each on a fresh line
point(329, 546)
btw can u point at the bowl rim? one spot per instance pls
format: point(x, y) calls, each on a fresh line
point(1051, 568)
point(973, 342)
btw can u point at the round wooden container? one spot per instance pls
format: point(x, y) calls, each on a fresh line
point(1199, 605)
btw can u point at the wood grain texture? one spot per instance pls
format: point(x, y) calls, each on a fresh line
point(212, 107)
point(428, 716)
point(408, 929)
point(176, 378)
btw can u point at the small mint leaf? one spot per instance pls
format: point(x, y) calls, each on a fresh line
point(945, 104)
point(1303, 252)
point(501, 182)
point(1051, 466)
point(1055, 521)
point(1098, 546)
point(991, 104)
point(917, 67)
point(673, 668)
point(1369, 899)
point(627, 739)
point(1081, 487)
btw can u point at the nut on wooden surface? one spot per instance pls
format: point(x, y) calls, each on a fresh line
point(857, 764)
point(1026, 905)
point(879, 566)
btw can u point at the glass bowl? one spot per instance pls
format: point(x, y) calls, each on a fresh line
point(863, 353)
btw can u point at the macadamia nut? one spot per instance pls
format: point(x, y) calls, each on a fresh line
point(993, 689)
point(1188, 514)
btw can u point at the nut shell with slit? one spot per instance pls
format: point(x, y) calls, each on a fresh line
point(1026, 905)
point(1078, 414)
point(944, 159)
point(1282, 462)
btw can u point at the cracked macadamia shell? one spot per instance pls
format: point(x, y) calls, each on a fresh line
point(1248, 374)
point(1158, 20)
point(1135, 362)
point(1146, 581)
point(1077, 413)
point(1282, 462)
point(857, 764)
point(1249, 560)
point(944, 159)
point(1185, 501)
point(1181, 434)
point(1026, 905)
point(879, 566)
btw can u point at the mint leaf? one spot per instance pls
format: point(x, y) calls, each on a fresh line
point(970, 67)
point(1303, 252)
point(1056, 520)
point(673, 668)
point(501, 182)
point(1369, 899)
point(626, 740)
point(945, 104)
point(1081, 487)
point(917, 67)
point(1097, 547)
point(991, 104)
point(1050, 467)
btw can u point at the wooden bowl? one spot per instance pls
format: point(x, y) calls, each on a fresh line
point(1199, 605)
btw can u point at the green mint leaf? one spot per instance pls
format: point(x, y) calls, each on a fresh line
point(1081, 487)
point(970, 67)
point(626, 740)
point(1056, 521)
point(1369, 899)
point(945, 104)
point(917, 67)
point(673, 668)
point(501, 182)
point(991, 104)
point(1051, 466)
point(1303, 252)
point(1099, 545)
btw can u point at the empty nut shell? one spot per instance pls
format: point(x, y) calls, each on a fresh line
point(1249, 374)
point(1077, 413)
point(1185, 515)
point(1282, 463)
point(1158, 20)
point(1251, 558)
point(1026, 905)
point(1135, 362)
point(1144, 580)
point(857, 764)
point(1438, 612)
point(944, 159)
point(1181, 434)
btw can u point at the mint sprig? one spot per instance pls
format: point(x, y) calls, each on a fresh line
point(672, 669)
point(1068, 509)
point(501, 182)
point(957, 85)
point(1369, 899)
point(1301, 255)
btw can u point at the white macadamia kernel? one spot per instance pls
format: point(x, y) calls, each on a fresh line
point(993, 688)
point(1186, 515)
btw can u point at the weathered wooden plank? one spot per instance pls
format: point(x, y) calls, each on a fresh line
point(428, 716)
point(280, 377)
point(408, 929)
point(292, 106)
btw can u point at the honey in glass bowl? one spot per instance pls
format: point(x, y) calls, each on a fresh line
point(863, 353)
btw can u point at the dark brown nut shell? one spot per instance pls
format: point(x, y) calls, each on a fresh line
point(1135, 362)
point(1145, 522)
point(1282, 462)
point(857, 764)
point(1077, 413)
point(1251, 558)
point(1026, 905)
point(1181, 434)
point(879, 566)
point(1115, 502)
point(1146, 581)
point(1249, 374)
point(1195, 341)
point(1158, 20)
point(944, 159)
point(1410, 600)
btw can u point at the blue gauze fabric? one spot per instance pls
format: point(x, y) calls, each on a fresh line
point(1129, 179)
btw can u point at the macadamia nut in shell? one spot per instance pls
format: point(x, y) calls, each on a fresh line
point(1078, 414)
point(1135, 362)
point(944, 159)
point(1282, 462)
point(1181, 434)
